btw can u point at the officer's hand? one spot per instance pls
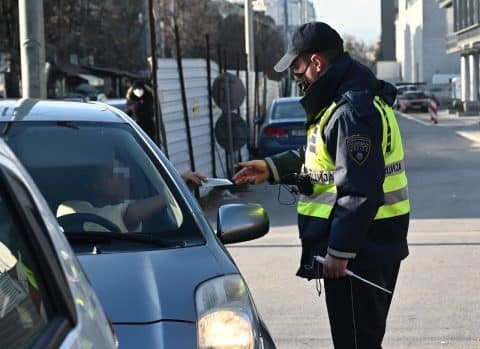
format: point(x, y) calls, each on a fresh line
point(253, 172)
point(334, 268)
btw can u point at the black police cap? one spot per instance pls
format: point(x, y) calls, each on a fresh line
point(309, 38)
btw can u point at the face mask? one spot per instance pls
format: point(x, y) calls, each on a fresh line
point(138, 92)
point(301, 80)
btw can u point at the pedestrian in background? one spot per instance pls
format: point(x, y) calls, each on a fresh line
point(433, 108)
point(354, 208)
point(140, 107)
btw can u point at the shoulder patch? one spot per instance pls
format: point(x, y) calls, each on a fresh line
point(359, 148)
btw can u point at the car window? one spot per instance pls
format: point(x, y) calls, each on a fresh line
point(97, 177)
point(24, 308)
point(288, 110)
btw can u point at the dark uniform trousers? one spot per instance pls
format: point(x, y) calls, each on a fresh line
point(357, 311)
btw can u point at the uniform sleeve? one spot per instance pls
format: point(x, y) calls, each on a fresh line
point(284, 164)
point(355, 143)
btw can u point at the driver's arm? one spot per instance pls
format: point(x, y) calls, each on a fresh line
point(141, 209)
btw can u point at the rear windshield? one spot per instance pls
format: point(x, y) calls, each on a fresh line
point(102, 169)
point(288, 110)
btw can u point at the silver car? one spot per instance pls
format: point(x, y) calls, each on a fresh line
point(45, 298)
point(160, 271)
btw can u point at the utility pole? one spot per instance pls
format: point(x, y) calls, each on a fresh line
point(249, 44)
point(285, 25)
point(285, 22)
point(160, 133)
point(32, 48)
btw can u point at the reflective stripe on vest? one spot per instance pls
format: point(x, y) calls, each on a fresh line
point(320, 166)
point(395, 186)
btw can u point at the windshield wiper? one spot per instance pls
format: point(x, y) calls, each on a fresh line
point(99, 237)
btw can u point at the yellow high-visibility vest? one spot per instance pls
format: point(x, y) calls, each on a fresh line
point(320, 166)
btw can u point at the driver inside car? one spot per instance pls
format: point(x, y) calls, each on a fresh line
point(112, 202)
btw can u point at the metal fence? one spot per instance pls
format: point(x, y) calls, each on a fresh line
point(195, 75)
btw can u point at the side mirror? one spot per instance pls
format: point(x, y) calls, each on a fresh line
point(241, 222)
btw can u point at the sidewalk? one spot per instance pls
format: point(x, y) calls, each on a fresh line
point(467, 126)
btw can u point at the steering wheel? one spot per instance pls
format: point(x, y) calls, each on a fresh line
point(74, 222)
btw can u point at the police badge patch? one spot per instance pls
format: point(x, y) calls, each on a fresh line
point(358, 148)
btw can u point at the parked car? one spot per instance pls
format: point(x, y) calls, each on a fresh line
point(84, 97)
point(413, 101)
point(162, 274)
point(284, 127)
point(401, 89)
point(45, 298)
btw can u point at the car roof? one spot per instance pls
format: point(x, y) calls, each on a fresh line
point(53, 110)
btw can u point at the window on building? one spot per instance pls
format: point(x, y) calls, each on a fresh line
point(466, 13)
point(456, 15)
point(475, 11)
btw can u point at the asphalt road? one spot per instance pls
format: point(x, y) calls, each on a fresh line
point(437, 300)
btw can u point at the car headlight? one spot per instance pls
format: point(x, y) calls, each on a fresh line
point(225, 314)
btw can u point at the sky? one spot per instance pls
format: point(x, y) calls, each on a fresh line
point(360, 18)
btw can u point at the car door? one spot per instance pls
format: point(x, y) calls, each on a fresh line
point(37, 309)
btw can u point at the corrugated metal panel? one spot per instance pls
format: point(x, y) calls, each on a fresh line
point(195, 73)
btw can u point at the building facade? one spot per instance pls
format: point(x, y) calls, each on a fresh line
point(421, 40)
point(389, 9)
point(462, 18)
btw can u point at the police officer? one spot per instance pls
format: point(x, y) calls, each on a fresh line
point(355, 208)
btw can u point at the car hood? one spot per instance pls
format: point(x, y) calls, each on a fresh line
point(148, 286)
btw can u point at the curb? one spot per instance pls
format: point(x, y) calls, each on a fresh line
point(471, 135)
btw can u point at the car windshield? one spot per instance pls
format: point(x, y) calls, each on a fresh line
point(98, 177)
point(415, 95)
point(288, 110)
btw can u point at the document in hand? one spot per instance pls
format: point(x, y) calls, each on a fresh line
point(216, 182)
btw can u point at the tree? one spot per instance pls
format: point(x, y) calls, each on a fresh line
point(226, 33)
point(360, 50)
point(269, 44)
point(267, 39)
point(10, 43)
point(110, 31)
point(195, 19)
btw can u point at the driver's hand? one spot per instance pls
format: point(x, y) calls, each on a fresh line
point(193, 179)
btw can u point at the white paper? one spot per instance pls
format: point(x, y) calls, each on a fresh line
point(216, 182)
